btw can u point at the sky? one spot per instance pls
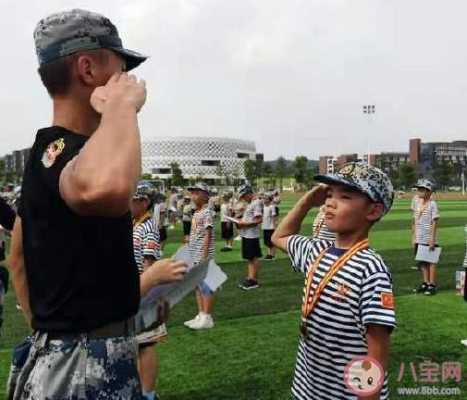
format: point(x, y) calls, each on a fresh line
point(292, 75)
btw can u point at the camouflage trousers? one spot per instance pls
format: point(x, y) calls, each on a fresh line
point(74, 369)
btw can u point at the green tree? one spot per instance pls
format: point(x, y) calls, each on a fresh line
point(444, 174)
point(407, 176)
point(250, 171)
point(302, 173)
point(268, 174)
point(281, 171)
point(177, 176)
point(146, 177)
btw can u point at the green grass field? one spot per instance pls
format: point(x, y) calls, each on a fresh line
point(250, 353)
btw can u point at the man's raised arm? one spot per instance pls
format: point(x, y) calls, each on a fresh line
point(101, 179)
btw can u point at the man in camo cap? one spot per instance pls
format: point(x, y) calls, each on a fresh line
point(72, 257)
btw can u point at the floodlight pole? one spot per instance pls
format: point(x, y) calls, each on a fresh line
point(369, 110)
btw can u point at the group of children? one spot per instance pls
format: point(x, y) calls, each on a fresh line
point(348, 306)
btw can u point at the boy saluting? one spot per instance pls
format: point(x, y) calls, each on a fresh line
point(348, 307)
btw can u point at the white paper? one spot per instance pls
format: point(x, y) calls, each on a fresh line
point(215, 277)
point(425, 254)
point(173, 293)
point(234, 220)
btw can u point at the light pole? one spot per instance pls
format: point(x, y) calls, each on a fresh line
point(369, 110)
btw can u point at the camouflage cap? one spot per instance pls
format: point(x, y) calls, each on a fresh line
point(144, 190)
point(199, 186)
point(366, 179)
point(424, 184)
point(245, 189)
point(64, 33)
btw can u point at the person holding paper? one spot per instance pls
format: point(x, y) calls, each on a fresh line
point(249, 227)
point(226, 225)
point(201, 247)
point(424, 232)
point(146, 248)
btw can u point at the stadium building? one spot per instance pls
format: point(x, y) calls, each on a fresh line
point(208, 158)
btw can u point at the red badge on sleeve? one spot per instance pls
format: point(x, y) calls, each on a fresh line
point(387, 300)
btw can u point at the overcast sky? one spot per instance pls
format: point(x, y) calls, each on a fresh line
point(292, 75)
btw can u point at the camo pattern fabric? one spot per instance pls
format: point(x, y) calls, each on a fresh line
point(76, 29)
point(78, 368)
point(365, 178)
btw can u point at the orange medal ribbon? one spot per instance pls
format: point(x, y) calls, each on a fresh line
point(312, 296)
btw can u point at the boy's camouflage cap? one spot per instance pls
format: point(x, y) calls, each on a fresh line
point(144, 190)
point(366, 179)
point(199, 186)
point(424, 184)
point(64, 33)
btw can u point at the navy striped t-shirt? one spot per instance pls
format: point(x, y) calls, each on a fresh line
point(336, 328)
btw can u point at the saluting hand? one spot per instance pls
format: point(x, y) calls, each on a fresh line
point(317, 196)
point(122, 90)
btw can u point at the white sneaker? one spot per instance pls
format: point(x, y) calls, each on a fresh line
point(464, 342)
point(204, 322)
point(237, 238)
point(171, 227)
point(192, 321)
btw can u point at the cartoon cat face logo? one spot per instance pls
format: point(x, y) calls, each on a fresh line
point(364, 376)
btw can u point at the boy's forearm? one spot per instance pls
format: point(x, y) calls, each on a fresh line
point(378, 339)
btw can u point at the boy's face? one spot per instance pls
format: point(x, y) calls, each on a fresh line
point(138, 207)
point(423, 193)
point(347, 210)
point(199, 197)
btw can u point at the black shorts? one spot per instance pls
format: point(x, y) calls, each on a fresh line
point(267, 233)
point(251, 248)
point(277, 211)
point(186, 227)
point(227, 230)
point(163, 234)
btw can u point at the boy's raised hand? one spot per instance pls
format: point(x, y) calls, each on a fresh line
point(317, 195)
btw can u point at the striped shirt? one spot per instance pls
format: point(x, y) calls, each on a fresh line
point(253, 209)
point(424, 215)
point(336, 329)
point(146, 242)
point(321, 230)
point(201, 222)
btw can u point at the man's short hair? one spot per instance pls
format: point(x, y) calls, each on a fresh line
point(57, 75)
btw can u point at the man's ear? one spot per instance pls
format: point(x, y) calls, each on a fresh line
point(86, 69)
point(376, 211)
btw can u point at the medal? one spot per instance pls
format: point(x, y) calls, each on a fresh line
point(303, 329)
point(312, 296)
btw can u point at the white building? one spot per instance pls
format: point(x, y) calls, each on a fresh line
point(198, 157)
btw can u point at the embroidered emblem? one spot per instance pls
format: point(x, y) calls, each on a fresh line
point(53, 150)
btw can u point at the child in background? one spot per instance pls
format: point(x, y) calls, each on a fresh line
point(201, 247)
point(348, 306)
point(161, 219)
point(269, 225)
point(424, 232)
point(146, 248)
point(187, 215)
point(320, 229)
point(249, 228)
point(226, 225)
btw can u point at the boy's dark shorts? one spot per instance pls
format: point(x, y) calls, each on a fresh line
point(251, 248)
point(267, 234)
point(226, 230)
point(163, 233)
point(186, 227)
